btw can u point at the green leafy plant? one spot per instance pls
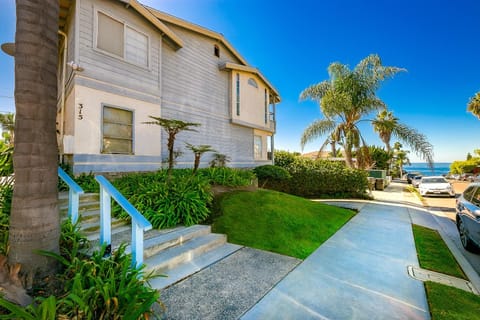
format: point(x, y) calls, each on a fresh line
point(228, 176)
point(219, 160)
point(94, 287)
point(270, 172)
point(319, 178)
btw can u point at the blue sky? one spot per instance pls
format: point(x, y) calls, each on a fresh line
point(292, 45)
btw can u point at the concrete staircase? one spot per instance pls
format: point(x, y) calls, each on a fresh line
point(175, 253)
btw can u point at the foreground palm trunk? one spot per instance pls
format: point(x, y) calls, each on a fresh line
point(34, 220)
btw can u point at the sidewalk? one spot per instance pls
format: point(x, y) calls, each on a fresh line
point(359, 273)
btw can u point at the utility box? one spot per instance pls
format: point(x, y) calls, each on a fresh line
point(378, 174)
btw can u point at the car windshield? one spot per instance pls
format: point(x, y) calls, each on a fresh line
point(434, 180)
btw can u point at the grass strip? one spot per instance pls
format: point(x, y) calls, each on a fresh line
point(433, 253)
point(278, 222)
point(449, 303)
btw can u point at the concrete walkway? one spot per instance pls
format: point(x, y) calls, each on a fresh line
point(359, 273)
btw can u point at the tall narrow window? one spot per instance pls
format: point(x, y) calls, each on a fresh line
point(216, 51)
point(257, 147)
point(238, 94)
point(266, 107)
point(117, 131)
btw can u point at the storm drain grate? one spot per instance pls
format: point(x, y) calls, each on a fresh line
point(427, 275)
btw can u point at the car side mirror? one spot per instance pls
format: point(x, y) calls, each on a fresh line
point(457, 195)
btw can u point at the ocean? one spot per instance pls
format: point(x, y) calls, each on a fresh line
point(439, 168)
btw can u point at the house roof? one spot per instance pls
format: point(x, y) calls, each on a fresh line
point(239, 67)
point(220, 38)
point(171, 37)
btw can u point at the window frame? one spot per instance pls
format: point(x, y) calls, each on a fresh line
point(237, 90)
point(125, 26)
point(102, 137)
point(260, 154)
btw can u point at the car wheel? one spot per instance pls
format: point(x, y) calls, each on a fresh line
point(464, 238)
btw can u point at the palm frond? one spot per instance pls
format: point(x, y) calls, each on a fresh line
point(317, 129)
point(416, 140)
point(473, 105)
point(315, 92)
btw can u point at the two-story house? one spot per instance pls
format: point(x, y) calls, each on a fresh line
point(121, 62)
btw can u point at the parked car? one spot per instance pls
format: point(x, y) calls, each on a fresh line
point(410, 176)
point(468, 217)
point(435, 186)
point(416, 181)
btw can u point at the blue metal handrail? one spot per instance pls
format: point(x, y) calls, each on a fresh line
point(74, 192)
point(139, 222)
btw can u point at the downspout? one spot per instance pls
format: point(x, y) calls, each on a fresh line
point(62, 94)
point(274, 131)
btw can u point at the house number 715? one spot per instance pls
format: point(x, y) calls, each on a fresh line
point(80, 115)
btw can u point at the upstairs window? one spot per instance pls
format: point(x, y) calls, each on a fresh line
point(120, 40)
point(117, 131)
point(216, 51)
point(238, 94)
point(253, 83)
point(266, 106)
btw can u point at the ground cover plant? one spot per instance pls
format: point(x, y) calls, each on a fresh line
point(184, 199)
point(96, 287)
point(433, 253)
point(277, 222)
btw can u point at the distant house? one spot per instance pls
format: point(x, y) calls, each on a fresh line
point(120, 62)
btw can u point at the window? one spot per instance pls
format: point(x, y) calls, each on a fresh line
point(117, 131)
point(266, 106)
point(216, 51)
point(238, 94)
point(121, 40)
point(257, 147)
point(476, 197)
point(253, 83)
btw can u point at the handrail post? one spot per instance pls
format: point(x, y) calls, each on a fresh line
point(105, 218)
point(137, 245)
point(74, 191)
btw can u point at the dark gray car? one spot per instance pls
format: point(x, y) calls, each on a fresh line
point(468, 217)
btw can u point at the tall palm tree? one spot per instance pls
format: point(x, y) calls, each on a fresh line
point(386, 125)
point(34, 219)
point(345, 99)
point(473, 105)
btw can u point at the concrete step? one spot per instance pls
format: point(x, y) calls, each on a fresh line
point(176, 237)
point(188, 268)
point(174, 256)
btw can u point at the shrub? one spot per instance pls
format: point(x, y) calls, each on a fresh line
point(183, 200)
point(320, 178)
point(6, 192)
point(228, 176)
point(270, 173)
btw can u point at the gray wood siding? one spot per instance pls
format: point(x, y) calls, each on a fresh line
point(109, 69)
point(195, 90)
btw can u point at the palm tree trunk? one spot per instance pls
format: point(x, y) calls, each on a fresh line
point(34, 219)
point(348, 156)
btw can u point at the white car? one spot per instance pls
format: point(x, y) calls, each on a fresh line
point(435, 186)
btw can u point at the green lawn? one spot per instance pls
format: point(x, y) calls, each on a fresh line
point(433, 253)
point(278, 222)
point(445, 302)
point(448, 303)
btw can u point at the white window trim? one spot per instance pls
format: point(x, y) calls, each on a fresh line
point(125, 25)
point(260, 156)
point(103, 105)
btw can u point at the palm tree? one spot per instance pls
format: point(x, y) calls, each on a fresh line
point(473, 105)
point(34, 218)
point(198, 151)
point(172, 127)
point(400, 157)
point(386, 125)
point(345, 99)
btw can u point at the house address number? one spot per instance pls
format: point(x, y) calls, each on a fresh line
point(80, 114)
